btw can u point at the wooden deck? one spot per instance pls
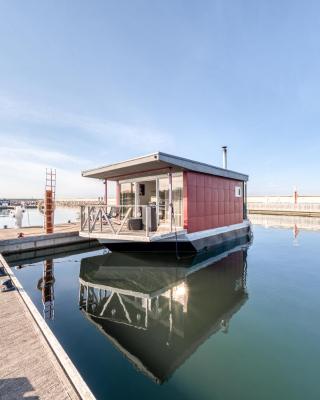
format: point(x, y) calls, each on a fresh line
point(134, 236)
point(28, 368)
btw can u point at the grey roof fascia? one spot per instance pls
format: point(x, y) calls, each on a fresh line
point(170, 160)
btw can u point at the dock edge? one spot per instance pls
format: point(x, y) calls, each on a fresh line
point(73, 375)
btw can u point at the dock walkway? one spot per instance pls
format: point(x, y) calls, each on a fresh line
point(28, 368)
point(12, 233)
point(35, 239)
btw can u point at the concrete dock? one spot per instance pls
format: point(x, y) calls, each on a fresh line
point(35, 238)
point(12, 233)
point(33, 363)
point(28, 367)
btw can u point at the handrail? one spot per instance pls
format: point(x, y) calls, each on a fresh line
point(114, 219)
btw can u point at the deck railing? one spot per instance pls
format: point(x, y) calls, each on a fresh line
point(117, 220)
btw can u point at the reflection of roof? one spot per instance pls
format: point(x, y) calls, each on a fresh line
point(146, 273)
point(155, 163)
point(148, 281)
point(131, 272)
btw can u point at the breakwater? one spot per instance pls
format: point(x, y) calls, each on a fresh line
point(308, 206)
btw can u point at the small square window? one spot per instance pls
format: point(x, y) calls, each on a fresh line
point(238, 191)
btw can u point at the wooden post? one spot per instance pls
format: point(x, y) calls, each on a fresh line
point(157, 200)
point(170, 199)
point(136, 198)
point(49, 211)
point(49, 199)
point(244, 199)
point(118, 191)
point(295, 196)
point(147, 221)
point(105, 191)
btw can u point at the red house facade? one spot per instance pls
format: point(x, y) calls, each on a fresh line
point(211, 201)
point(165, 198)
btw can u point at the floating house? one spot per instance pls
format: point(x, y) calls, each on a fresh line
point(167, 202)
point(158, 310)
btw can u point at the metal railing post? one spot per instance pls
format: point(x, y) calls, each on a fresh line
point(170, 200)
point(147, 221)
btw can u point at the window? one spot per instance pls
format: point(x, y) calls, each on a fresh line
point(238, 191)
point(177, 199)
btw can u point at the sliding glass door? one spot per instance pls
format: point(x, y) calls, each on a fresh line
point(177, 199)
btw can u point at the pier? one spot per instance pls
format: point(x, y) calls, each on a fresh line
point(33, 361)
point(28, 366)
point(34, 238)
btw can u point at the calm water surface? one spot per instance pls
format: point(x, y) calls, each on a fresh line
point(33, 217)
point(235, 324)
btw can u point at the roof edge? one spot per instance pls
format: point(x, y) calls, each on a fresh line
point(183, 163)
point(88, 171)
point(220, 171)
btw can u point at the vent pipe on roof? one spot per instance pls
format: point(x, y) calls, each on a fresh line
point(224, 157)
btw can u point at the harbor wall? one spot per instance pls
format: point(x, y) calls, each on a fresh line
point(284, 205)
point(283, 199)
point(35, 242)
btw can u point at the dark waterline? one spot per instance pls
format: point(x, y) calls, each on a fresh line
point(246, 326)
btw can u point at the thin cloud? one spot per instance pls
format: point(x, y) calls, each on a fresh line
point(24, 157)
point(132, 136)
point(22, 173)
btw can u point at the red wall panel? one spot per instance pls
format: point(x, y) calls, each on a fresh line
point(210, 202)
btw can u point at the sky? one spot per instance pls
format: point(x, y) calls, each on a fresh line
point(88, 83)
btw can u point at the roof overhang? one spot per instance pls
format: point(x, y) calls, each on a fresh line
point(156, 164)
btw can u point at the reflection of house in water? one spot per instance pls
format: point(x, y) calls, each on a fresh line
point(156, 309)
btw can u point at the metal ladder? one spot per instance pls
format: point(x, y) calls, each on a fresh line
point(49, 199)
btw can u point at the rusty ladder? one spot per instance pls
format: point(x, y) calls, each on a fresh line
point(49, 199)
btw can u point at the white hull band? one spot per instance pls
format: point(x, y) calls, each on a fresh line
point(196, 241)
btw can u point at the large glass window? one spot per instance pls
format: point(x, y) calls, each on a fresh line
point(147, 196)
point(126, 197)
point(177, 199)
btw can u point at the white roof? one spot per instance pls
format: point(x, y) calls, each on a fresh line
point(155, 164)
